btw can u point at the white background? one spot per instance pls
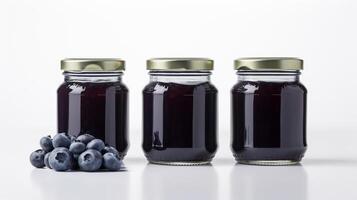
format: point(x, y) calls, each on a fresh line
point(35, 35)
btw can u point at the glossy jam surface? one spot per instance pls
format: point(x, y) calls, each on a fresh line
point(99, 109)
point(268, 120)
point(179, 122)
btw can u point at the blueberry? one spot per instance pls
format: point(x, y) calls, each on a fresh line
point(77, 147)
point(72, 138)
point(90, 160)
point(60, 159)
point(46, 160)
point(37, 158)
point(46, 144)
point(61, 140)
point(111, 162)
point(111, 150)
point(85, 138)
point(96, 144)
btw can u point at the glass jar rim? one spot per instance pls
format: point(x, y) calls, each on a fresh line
point(268, 72)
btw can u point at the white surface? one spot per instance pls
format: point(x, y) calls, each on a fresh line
point(36, 34)
point(323, 174)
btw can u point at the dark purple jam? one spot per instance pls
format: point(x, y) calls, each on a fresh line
point(179, 122)
point(97, 108)
point(269, 121)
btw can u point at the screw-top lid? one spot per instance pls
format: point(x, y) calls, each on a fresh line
point(178, 64)
point(92, 64)
point(268, 63)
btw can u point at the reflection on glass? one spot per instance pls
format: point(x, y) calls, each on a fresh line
point(177, 182)
point(268, 183)
point(81, 185)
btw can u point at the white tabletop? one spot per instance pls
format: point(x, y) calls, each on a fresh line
point(329, 171)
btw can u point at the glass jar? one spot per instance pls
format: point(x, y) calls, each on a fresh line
point(180, 112)
point(94, 100)
point(268, 111)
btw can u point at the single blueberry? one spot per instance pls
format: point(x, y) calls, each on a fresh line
point(111, 162)
point(77, 147)
point(60, 159)
point(37, 158)
point(96, 144)
point(61, 140)
point(46, 143)
point(90, 160)
point(85, 138)
point(46, 160)
point(111, 150)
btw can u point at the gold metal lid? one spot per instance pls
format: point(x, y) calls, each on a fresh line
point(92, 64)
point(179, 64)
point(268, 63)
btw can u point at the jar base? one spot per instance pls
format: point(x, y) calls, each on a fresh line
point(270, 155)
point(181, 163)
point(269, 162)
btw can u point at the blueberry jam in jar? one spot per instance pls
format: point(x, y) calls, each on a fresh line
point(179, 112)
point(93, 100)
point(268, 111)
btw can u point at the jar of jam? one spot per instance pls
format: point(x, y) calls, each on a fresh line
point(94, 100)
point(180, 112)
point(268, 111)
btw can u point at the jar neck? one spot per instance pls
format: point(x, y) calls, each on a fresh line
point(269, 76)
point(188, 78)
point(92, 76)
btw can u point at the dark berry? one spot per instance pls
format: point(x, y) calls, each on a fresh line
point(46, 160)
point(111, 162)
point(75, 157)
point(96, 144)
point(85, 138)
point(37, 158)
point(61, 140)
point(46, 143)
point(90, 160)
point(72, 138)
point(77, 147)
point(60, 159)
point(110, 149)
point(75, 161)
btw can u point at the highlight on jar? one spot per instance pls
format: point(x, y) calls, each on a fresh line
point(92, 114)
point(268, 111)
point(180, 112)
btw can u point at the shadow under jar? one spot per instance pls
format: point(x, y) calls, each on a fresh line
point(179, 112)
point(268, 111)
point(93, 100)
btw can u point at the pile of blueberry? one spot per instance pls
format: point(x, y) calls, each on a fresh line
point(85, 153)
